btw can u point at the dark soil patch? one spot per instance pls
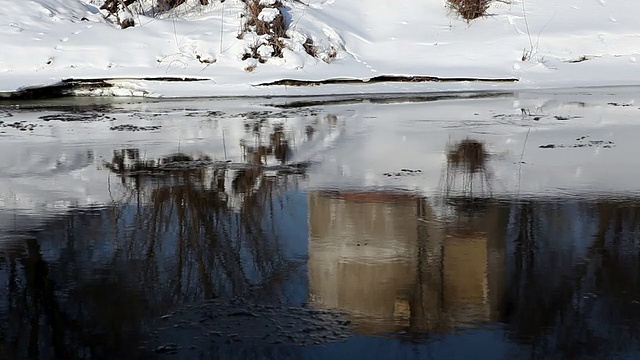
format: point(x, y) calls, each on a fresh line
point(381, 79)
point(68, 87)
point(61, 89)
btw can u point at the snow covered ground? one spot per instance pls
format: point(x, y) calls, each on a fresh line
point(566, 43)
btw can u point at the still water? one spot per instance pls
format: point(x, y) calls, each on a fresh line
point(480, 226)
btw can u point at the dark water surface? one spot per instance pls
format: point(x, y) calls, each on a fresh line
point(121, 239)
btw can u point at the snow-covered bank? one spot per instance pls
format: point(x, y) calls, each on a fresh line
point(569, 43)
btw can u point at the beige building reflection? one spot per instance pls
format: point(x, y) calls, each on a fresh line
point(382, 257)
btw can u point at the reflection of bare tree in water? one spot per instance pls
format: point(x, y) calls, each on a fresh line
point(575, 305)
point(558, 300)
point(278, 145)
point(467, 159)
point(34, 302)
point(216, 240)
point(174, 238)
point(49, 310)
point(226, 241)
point(571, 286)
point(427, 312)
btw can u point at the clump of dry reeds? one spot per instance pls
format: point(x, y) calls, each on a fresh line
point(118, 8)
point(469, 9)
point(166, 5)
point(275, 29)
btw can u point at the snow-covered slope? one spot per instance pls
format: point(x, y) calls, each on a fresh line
point(566, 43)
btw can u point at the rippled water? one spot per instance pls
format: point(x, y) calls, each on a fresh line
point(385, 228)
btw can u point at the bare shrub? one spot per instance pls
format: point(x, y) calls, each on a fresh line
point(278, 46)
point(331, 55)
point(139, 7)
point(112, 6)
point(127, 23)
point(310, 48)
point(469, 9)
point(166, 5)
point(254, 53)
point(276, 29)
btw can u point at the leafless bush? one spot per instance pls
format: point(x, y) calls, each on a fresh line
point(310, 48)
point(277, 27)
point(166, 5)
point(469, 9)
point(115, 8)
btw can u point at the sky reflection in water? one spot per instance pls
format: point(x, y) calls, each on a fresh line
point(195, 257)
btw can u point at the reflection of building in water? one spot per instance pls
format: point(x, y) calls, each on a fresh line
point(384, 258)
point(461, 269)
point(362, 253)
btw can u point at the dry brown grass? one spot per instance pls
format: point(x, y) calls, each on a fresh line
point(134, 7)
point(166, 5)
point(310, 48)
point(276, 28)
point(469, 9)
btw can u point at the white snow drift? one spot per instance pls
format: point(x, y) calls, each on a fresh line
point(563, 43)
